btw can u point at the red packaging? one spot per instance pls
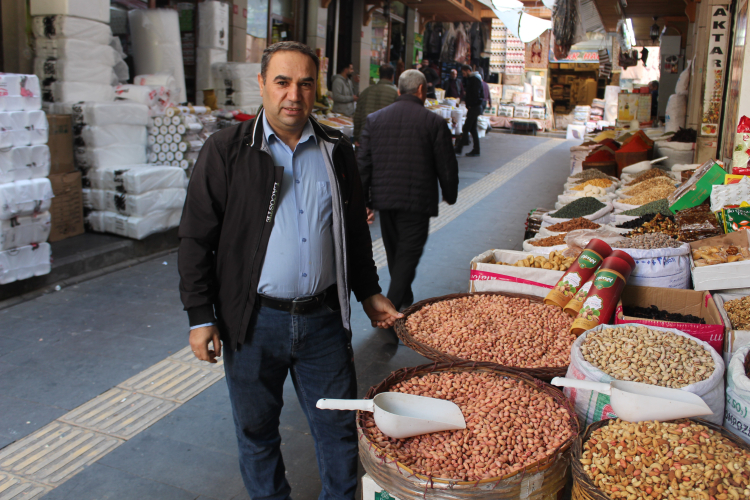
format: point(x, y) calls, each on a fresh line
point(582, 269)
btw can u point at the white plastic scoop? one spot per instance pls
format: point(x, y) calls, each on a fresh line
point(635, 402)
point(401, 416)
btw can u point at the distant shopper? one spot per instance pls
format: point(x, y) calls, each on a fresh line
point(474, 97)
point(431, 76)
point(375, 97)
point(405, 151)
point(653, 87)
point(344, 96)
point(453, 87)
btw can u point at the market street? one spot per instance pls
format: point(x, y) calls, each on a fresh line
point(124, 335)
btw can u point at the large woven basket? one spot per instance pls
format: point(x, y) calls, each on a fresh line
point(548, 476)
point(429, 352)
point(585, 489)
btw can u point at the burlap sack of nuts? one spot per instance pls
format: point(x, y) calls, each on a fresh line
point(737, 414)
point(592, 406)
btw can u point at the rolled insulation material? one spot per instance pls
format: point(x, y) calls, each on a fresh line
point(172, 129)
point(170, 112)
point(160, 139)
point(181, 129)
point(162, 156)
point(194, 127)
point(158, 121)
point(151, 140)
point(170, 156)
point(163, 130)
point(183, 146)
point(153, 157)
point(153, 130)
point(156, 148)
point(167, 120)
point(176, 138)
point(184, 164)
point(168, 139)
point(178, 155)
point(173, 147)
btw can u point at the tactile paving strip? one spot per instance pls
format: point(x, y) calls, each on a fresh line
point(55, 452)
point(186, 356)
point(119, 413)
point(17, 488)
point(172, 380)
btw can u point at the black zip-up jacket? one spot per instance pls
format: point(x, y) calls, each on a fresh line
point(227, 220)
point(474, 91)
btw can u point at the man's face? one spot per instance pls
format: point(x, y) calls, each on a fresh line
point(465, 73)
point(348, 71)
point(288, 91)
point(425, 63)
point(454, 74)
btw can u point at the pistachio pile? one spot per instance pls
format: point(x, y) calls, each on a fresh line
point(680, 460)
point(639, 354)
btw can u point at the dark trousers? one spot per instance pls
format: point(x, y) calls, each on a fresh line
point(316, 350)
point(470, 127)
point(404, 236)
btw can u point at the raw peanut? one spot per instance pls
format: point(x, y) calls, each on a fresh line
point(509, 425)
point(495, 328)
point(689, 461)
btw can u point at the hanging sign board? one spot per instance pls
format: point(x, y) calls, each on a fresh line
point(715, 70)
point(577, 56)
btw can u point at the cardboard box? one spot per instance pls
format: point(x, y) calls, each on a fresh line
point(371, 490)
point(734, 339)
point(675, 300)
point(721, 276)
point(701, 189)
point(60, 144)
point(238, 14)
point(67, 206)
point(237, 45)
point(486, 277)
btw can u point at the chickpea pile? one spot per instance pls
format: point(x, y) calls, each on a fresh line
point(509, 425)
point(504, 330)
point(675, 461)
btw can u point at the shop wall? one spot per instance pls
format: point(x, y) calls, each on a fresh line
point(317, 17)
point(17, 56)
point(738, 88)
point(361, 44)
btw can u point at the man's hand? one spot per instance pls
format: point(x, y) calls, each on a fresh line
point(380, 310)
point(370, 215)
point(355, 98)
point(199, 339)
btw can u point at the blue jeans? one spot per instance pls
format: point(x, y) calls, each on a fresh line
point(317, 350)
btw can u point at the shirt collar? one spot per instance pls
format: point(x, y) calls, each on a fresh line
point(307, 132)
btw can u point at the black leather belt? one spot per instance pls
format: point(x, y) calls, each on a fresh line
point(303, 305)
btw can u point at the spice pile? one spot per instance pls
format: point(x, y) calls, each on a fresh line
point(579, 208)
point(710, 256)
point(738, 311)
point(653, 312)
point(573, 224)
point(658, 224)
point(509, 425)
point(648, 356)
point(504, 330)
point(655, 207)
point(653, 194)
point(636, 223)
point(648, 174)
point(549, 241)
point(599, 182)
point(648, 184)
point(591, 173)
point(679, 460)
point(648, 241)
point(601, 155)
point(555, 262)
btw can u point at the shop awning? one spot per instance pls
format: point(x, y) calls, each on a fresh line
point(447, 10)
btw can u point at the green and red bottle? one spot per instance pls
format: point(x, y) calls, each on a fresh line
point(577, 274)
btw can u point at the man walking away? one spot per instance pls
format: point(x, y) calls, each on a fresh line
point(474, 97)
point(453, 87)
point(431, 76)
point(405, 152)
point(273, 240)
point(373, 98)
point(342, 89)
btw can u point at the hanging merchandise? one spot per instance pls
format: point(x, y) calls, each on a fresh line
point(565, 19)
point(448, 52)
point(462, 52)
point(157, 48)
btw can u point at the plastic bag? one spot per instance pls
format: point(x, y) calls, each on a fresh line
point(580, 238)
point(683, 82)
point(660, 267)
point(737, 412)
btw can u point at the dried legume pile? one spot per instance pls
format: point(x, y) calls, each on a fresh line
point(635, 223)
point(639, 354)
point(648, 184)
point(653, 312)
point(509, 425)
point(648, 241)
point(504, 330)
point(680, 460)
point(658, 224)
point(591, 173)
point(653, 194)
point(738, 311)
point(573, 224)
point(555, 262)
point(655, 207)
point(648, 174)
point(549, 241)
point(579, 208)
point(599, 182)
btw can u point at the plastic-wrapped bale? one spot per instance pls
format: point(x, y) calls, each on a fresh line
point(134, 205)
point(237, 85)
point(213, 25)
point(64, 91)
point(70, 49)
point(24, 262)
point(51, 70)
point(137, 179)
point(25, 230)
point(97, 10)
point(24, 163)
point(204, 75)
point(19, 92)
point(23, 128)
point(110, 113)
point(93, 136)
point(113, 155)
point(133, 227)
point(61, 26)
point(22, 198)
point(171, 138)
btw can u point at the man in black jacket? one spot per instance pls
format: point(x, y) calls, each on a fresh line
point(474, 98)
point(273, 240)
point(405, 150)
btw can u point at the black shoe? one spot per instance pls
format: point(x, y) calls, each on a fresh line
point(472, 154)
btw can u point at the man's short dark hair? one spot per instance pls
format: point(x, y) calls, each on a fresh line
point(386, 72)
point(465, 67)
point(655, 84)
point(342, 66)
point(287, 47)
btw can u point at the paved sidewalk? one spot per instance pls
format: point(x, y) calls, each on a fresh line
point(66, 349)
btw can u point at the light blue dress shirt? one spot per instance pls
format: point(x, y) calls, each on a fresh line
point(300, 259)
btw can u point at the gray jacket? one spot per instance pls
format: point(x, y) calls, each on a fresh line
point(343, 95)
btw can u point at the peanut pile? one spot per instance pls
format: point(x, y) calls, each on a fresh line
point(549, 241)
point(676, 461)
point(648, 356)
point(649, 195)
point(509, 425)
point(495, 328)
